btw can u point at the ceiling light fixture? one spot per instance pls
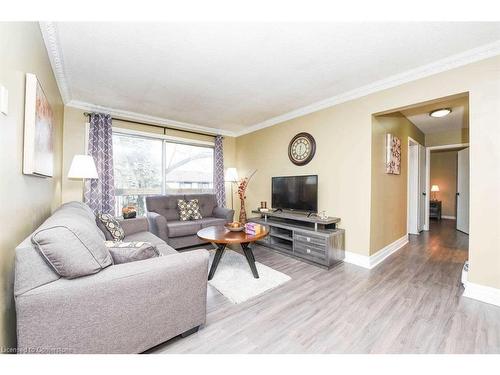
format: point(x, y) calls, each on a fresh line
point(440, 112)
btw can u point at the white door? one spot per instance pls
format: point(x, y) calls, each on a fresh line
point(463, 191)
point(413, 189)
point(421, 187)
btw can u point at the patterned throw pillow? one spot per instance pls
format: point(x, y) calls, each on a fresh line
point(112, 225)
point(189, 210)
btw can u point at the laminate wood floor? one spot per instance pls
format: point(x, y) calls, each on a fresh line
point(411, 303)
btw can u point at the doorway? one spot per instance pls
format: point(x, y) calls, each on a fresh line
point(447, 170)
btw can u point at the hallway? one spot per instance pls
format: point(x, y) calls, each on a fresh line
point(443, 233)
point(410, 303)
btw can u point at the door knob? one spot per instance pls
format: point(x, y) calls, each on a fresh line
point(458, 193)
point(424, 193)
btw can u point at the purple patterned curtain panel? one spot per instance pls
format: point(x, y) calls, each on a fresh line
point(100, 193)
point(219, 188)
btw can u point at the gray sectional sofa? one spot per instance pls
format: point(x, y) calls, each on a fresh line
point(163, 217)
point(118, 308)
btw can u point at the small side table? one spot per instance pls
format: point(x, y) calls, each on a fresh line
point(435, 210)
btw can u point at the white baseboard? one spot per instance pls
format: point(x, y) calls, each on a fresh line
point(482, 293)
point(357, 259)
point(377, 258)
point(448, 217)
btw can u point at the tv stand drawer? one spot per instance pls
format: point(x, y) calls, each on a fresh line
point(309, 238)
point(311, 252)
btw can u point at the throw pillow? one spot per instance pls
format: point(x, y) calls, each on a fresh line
point(112, 226)
point(125, 252)
point(71, 246)
point(189, 210)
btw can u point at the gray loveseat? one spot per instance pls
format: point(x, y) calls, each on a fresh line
point(122, 308)
point(163, 217)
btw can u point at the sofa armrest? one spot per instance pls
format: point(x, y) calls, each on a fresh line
point(125, 308)
point(131, 226)
point(158, 225)
point(223, 213)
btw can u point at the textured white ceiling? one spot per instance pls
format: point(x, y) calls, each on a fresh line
point(457, 119)
point(234, 76)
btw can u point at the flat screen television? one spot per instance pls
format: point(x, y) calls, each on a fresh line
point(296, 193)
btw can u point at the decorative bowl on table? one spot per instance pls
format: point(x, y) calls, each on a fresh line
point(235, 226)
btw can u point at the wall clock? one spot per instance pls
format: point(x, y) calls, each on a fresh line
point(301, 149)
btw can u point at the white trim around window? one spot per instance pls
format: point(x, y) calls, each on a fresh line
point(186, 141)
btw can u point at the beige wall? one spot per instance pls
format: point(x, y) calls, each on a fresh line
point(27, 200)
point(444, 174)
point(342, 164)
point(451, 137)
point(343, 158)
point(74, 143)
point(389, 191)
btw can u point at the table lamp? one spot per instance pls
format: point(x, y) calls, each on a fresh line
point(434, 190)
point(82, 167)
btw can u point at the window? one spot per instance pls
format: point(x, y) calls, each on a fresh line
point(150, 166)
point(188, 168)
point(138, 170)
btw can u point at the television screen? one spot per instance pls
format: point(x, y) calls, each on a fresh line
point(298, 193)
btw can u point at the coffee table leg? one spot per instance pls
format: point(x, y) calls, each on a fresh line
point(250, 258)
point(217, 257)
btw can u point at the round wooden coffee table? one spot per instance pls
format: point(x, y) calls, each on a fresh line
point(222, 237)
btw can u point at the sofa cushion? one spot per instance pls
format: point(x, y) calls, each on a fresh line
point(80, 210)
point(207, 202)
point(76, 208)
point(125, 252)
point(112, 226)
point(72, 246)
point(189, 210)
point(182, 228)
point(212, 221)
point(160, 245)
point(165, 205)
point(185, 241)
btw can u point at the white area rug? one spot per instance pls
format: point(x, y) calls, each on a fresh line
point(234, 279)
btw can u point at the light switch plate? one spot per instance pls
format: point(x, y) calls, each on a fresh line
point(4, 100)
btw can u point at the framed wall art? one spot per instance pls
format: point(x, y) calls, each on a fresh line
point(393, 155)
point(38, 158)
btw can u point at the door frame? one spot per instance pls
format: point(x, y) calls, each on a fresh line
point(460, 192)
point(411, 142)
point(428, 175)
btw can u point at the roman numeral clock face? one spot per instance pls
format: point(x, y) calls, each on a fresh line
point(301, 149)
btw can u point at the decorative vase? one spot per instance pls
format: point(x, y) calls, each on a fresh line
point(243, 212)
point(242, 187)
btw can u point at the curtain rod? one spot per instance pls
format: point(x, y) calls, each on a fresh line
point(157, 126)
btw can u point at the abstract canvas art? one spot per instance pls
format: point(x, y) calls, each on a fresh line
point(393, 155)
point(38, 158)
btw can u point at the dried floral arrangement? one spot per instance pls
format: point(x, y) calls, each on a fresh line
point(242, 188)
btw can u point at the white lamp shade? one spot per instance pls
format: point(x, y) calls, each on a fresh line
point(434, 188)
point(231, 175)
point(82, 166)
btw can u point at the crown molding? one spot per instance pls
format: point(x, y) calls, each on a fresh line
point(153, 120)
point(448, 63)
point(50, 38)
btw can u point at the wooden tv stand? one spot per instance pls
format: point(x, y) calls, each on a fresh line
point(310, 239)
